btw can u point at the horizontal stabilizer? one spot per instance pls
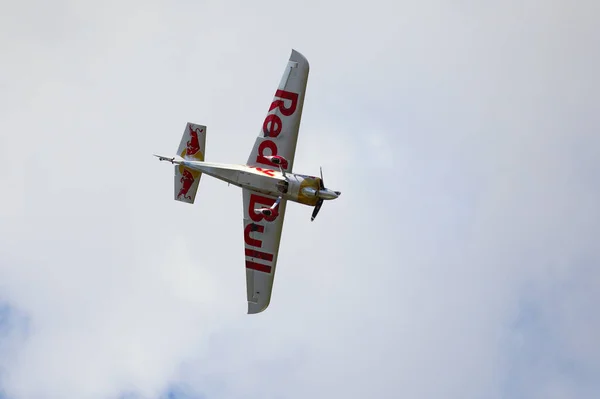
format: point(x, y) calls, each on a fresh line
point(186, 184)
point(191, 148)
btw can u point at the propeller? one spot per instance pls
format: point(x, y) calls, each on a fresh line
point(316, 210)
point(320, 200)
point(322, 182)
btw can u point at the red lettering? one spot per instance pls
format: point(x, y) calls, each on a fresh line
point(257, 199)
point(286, 95)
point(272, 126)
point(259, 255)
point(253, 227)
point(264, 145)
point(258, 266)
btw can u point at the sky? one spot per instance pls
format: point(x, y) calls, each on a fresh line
point(461, 260)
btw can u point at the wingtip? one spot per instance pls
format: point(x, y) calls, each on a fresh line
point(255, 308)
point(261, 304)
point(297, 56)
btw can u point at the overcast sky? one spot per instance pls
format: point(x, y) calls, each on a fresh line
point(461, 261)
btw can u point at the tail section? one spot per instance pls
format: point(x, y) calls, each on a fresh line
point(191, 148)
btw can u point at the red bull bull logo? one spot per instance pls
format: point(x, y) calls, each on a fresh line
point(193, 145)
point(187, 179)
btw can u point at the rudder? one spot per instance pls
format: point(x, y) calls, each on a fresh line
point(191, 147)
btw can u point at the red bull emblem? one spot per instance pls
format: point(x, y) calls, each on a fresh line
point(193, 144)
point(186, 183)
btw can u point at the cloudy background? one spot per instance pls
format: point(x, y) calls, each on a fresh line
point(461, 260)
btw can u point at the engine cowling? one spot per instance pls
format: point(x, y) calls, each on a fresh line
point(278, 160)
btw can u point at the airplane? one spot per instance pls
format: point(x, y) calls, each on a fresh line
point(267, 180)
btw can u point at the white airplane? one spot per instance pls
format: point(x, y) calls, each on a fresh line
point(266, 179)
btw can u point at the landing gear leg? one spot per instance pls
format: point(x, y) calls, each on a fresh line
point(282, 172)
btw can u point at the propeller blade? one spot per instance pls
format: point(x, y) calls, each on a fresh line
point(321, 182)
point(316, 210)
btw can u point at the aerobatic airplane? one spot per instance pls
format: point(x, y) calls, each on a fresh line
point(267, 180)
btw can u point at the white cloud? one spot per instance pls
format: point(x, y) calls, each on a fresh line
point(464, 140)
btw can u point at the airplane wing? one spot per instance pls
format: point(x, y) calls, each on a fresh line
point(261, 241)
point(279, 133)
point(278, 136)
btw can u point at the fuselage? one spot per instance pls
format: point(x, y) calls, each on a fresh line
point(294, 187)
